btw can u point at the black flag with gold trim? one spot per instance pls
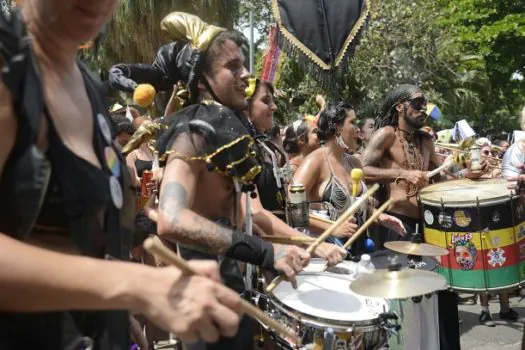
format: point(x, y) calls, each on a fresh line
point(321, 35)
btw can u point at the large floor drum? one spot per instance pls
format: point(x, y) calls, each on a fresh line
point(482, 225)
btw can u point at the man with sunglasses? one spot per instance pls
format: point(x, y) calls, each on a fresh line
point(399, 156)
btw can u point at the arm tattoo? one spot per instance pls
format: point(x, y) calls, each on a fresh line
point(279, 252)
point(188, 227)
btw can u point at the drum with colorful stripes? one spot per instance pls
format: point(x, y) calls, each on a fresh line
point(482, 224)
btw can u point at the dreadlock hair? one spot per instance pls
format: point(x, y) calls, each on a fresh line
point(330, 118)
point(387, 114)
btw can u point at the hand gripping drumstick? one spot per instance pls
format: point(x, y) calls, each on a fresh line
point(154, 246)
point(367, 223)
point(342, 219)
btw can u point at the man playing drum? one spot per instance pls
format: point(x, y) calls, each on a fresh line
point(399, 156)
point(210, 158)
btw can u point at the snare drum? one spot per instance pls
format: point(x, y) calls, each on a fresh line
point(419, 316)
point(324, 301)
point(482, 225)
point(345, 269)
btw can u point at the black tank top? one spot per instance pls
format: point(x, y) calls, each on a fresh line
point(77, 196)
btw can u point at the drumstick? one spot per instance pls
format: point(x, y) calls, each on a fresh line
point(342, 219)
point(448, 163)
point(299, 240)
point(367, 223)
point(318, 218)
point(155, 247)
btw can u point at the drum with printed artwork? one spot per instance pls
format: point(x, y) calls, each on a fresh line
point(482, 224)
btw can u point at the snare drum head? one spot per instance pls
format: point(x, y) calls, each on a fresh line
point(465, 191)
point(344, 268)
point(328, 297)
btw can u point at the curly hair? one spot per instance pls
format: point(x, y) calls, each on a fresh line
point(122, 124)
point(330, 118)
point(387, 114)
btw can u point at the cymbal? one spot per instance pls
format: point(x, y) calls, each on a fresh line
point(399, 284)
point(421, 249)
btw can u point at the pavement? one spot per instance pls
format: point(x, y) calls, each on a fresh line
point(505, 336)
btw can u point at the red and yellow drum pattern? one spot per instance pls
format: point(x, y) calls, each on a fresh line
point(486, 249)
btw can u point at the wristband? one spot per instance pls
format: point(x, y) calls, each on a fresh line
point(251, 249)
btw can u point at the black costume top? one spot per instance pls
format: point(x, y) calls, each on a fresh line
point(59, 190)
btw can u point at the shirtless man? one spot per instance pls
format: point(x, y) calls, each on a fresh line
point(192, 196)
point(399, 156)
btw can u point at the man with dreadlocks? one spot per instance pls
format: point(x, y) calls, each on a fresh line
point(398, 156)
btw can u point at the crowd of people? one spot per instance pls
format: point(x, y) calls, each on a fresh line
point(74, 275)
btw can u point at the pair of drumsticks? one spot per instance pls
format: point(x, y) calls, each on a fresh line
point(155, 247)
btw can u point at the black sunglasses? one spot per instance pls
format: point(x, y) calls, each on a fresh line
point(418, 103)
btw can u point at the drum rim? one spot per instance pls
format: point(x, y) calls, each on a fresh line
point(362, 326)
point(471, 202)
point(467, 204)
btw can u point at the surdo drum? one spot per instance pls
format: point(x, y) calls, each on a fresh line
point(482, 225)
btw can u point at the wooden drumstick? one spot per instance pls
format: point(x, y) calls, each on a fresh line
point(298, 240)
point(154, 246)
point(342, 219)
point(318, 218)
point(447, 164)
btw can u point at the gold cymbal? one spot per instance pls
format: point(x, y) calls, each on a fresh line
point(399, 284)
point(421, 249)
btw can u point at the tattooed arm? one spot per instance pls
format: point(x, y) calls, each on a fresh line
point(176, 221)
point(382, 140)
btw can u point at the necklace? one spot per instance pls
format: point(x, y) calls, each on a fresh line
point(412, 157)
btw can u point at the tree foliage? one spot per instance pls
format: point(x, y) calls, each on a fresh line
point(461, 53)
point(134, 35)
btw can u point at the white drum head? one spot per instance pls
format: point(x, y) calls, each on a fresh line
point(344, 269)
point(328, 297)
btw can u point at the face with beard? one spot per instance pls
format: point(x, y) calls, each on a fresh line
point(413, 111)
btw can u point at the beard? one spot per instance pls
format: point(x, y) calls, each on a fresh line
point(416, 122)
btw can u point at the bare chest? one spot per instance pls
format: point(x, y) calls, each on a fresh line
point(411, 154)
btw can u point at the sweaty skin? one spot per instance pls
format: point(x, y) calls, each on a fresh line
point(384, 158)
point(383, 162)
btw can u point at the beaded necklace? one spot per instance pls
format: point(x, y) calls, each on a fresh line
point(412, 157)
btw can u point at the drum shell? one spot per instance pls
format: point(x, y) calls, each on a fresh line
point(418, 317)
point(358, 334)
point(484, 239)
point(419, 320)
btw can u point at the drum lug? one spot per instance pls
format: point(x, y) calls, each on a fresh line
point(392, 329)
point(385, 316)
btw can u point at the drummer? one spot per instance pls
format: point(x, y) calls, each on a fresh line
point(399, 156)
